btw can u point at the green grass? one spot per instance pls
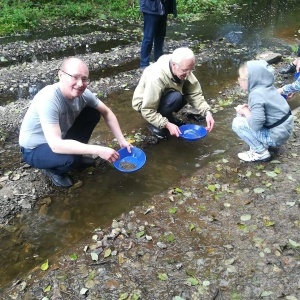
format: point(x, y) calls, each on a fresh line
point(22, 15)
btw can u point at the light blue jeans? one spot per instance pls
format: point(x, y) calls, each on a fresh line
point(258, 141)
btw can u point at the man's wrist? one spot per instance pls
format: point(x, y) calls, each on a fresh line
point(208, 112)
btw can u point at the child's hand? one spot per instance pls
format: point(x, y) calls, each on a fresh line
point(280, 90)
point(289, 96)
point(243, 110)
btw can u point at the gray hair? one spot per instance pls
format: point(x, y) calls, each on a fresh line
point(181, 54)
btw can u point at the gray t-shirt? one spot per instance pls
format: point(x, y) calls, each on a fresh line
point(50, 106)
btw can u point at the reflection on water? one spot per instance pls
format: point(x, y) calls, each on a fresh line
point(106, 193)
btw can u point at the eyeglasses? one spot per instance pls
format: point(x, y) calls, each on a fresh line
point(84, 80)
point(242, 79)
point(185, 71)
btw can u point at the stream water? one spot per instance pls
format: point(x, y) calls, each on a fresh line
point(108, 193)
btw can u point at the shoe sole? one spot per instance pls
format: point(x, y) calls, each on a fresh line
point(258, 160)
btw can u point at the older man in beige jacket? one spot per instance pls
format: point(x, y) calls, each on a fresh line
point(165, 87)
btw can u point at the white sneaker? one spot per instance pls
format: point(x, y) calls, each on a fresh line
point(254, 156)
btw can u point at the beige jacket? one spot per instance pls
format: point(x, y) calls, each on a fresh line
point(158, 80)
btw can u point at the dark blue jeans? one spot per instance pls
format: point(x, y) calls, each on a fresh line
point(169, 103)
point(42, 157)
point(154, 32)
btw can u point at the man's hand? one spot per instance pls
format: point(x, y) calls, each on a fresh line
point(210, 122)
point(297, 64)
point(173, 129)
point(108, 154)
point(125, 144)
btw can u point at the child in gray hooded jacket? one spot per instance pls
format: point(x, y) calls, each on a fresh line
point(266, 121)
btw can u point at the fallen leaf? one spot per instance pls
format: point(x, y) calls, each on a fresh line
point(258, 190)
point(94, 256)
point(192, 281)
point(47, 289)
point(266, 293)
point(73, 256)
point(45, 266)
point(293, 243)
point(271, 174)
point(191, 227)
point(206, 283)
point(245, 217)
point(172, 210)
point(162, 276)
point(107, 252)
point(83, 291)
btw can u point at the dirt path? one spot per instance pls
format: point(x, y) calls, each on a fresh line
point(231, 231)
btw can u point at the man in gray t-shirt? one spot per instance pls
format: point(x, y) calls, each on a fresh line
point(56, 129)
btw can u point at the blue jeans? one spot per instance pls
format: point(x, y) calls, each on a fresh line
point(169, 103)
point(258, 141)
point(154, 29)
point(42, 157)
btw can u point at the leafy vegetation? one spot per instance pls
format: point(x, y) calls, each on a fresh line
point(17, 15)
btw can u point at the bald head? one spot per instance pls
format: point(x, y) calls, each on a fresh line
point(72, 62)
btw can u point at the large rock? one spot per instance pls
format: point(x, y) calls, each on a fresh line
point(270, 57)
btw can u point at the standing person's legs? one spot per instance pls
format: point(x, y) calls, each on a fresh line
point(159, 37)
point(149, 29)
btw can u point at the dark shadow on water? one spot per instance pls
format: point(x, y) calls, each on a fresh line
point(100, 47)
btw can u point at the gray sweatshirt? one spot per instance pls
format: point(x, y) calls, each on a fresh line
point(266, 104)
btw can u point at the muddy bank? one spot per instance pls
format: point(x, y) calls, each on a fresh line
point(231, 231)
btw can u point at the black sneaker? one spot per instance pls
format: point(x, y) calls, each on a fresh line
point(159, 133)
point(61, 180)
point(290, 69)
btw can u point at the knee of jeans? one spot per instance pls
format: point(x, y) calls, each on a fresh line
point(236, 123)
point(177, 96)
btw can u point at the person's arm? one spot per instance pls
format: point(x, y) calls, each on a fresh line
point(194, 96)
point(152, 93)
point(297, 64)
point(210, 122)
point(243, 110)
point(291, 88)
point(287, 96)
point(52, 134)
point(113, 124)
